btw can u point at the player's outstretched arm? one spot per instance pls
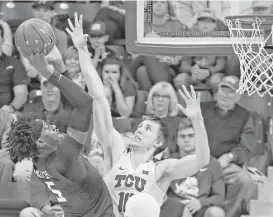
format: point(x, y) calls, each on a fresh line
point(191, 164)
point(103, 124)
point(80, 100)
point(80, 119)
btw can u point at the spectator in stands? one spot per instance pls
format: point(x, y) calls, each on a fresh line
point(44, 10)
point(9, 170)
point(98, 37)
point(112, 14)
point(120, 85)
point(231, 138)
point(149, 70)
point(13, 81)
point(49, 105)
point(203, 194)
point(72, 63)
point(162, 100)
point(202, 69)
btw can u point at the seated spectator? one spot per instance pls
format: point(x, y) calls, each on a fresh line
point(121, 87)
point(49, 105)
point(231, 138)
point(149, 70)
point(112, 13)
point(141, 205)
point(162, 102)
point(9, 170)
point(13, 80)
point(202, 69)
point(98, 37)
point(71, 60)
point(203, 194)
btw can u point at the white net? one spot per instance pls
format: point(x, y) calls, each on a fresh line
point(255, 62)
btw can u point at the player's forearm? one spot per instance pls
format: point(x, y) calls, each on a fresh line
point(92, 79)
point(102, 115)
point(201, 142)
point(73, 92)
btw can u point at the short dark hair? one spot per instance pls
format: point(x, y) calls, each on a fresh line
point(184, 123)
point(164, 132)
point(21, 140)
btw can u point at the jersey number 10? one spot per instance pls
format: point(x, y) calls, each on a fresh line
point(56, 192)
point(123, 198)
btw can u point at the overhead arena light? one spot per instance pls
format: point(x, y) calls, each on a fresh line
point(64, 6)
point(10, 4)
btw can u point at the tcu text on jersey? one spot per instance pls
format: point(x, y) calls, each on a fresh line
point(128, 181)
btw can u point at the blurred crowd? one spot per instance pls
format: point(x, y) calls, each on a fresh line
point(138, 85)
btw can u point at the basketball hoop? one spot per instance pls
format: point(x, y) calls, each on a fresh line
point(251, 38)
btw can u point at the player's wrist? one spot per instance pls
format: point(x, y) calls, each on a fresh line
point(59, 66)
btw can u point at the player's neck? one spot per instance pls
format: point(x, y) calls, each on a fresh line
point(140, 156)
point(159, 20)
point(38, 162)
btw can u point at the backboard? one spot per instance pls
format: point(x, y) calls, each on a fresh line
point(145, 36)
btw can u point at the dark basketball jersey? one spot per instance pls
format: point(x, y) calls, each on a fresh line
point(89, 197)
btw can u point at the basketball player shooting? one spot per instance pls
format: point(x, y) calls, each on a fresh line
point(76, 185)
point(135, 168)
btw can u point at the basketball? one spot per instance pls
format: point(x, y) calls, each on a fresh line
point(35, 30)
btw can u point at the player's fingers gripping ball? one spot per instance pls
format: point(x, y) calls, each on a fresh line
point(34, 36)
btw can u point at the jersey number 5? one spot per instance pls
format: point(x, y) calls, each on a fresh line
point(123, 198)
point(57, 193)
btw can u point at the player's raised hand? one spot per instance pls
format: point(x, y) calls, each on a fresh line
point(192, 109)
point(76, 32)
point(36, 59)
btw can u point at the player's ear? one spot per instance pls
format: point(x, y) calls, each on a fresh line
point(158, 143)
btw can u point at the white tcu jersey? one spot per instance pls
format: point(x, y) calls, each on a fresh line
point(123, 182)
